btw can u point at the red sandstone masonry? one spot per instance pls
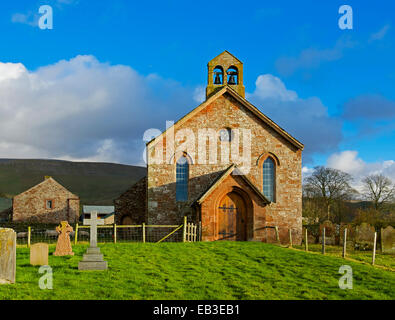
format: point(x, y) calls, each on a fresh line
point(29, 206)
point(225, 111)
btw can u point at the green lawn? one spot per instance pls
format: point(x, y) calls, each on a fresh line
point(385, 260)
point(216, 270)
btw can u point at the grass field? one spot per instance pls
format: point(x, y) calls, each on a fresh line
point(190, 271)
point(384, 260)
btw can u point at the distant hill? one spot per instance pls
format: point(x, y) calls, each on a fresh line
point(5, 204)
point(95, 183)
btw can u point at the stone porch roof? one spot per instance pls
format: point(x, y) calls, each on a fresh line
point(221, 178)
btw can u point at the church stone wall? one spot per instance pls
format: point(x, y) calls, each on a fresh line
point(131, 207)
point(226, 112)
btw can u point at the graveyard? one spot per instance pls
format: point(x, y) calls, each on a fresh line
point(193, 271)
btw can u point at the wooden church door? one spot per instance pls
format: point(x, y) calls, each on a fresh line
point(232, 218)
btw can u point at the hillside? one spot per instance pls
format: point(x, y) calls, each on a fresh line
point(94, 183)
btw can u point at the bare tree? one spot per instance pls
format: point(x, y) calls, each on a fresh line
point(329, 185)
point(378, 189)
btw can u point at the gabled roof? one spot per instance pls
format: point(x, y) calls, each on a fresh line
point(245, 103)
point(222, 177)
point(226, 52)
point(49, 180)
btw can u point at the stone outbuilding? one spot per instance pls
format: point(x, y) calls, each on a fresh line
point(225, 165)
point(47, 202)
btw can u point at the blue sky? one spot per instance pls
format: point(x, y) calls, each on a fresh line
point(166, 45)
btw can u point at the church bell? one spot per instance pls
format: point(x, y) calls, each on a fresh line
point(232, 79)
point(217, 79)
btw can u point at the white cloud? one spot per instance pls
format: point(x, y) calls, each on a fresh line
point(306, 119)
point(348, 161)
point(271, 87)
point(82, 109)
point(199, 95)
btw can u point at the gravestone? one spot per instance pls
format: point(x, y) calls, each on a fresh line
point(388, 240)
point(63, 247)
point(39, 254)
point(364, 237)
point(93, 259)
point(7, 256)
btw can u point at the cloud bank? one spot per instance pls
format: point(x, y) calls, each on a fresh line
point(348, 161)
point(82, 109)
point(306, 119)
point(85, 110)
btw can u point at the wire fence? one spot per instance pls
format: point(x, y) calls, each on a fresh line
point(186, 232)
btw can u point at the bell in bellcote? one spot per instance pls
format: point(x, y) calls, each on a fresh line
point(217, 79)
point(232, 79)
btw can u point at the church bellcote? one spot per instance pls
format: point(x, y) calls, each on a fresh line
point(225, 70)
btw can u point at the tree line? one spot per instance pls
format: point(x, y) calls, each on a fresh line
point(328, 195)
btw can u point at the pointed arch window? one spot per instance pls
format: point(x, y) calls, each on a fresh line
point(269, 178)
point(182, 178)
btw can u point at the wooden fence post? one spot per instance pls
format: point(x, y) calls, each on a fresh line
point(323, 241)
point(115, 233)
point(184, 233)
point(290, 238)
point(143, 232)
point(345, 242)
point(277, 235)
point(76, 234)
point(381, 240)
point(29, 233)
point(306, 244)
point(374, 248)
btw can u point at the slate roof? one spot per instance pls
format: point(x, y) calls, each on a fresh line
point(221, 178)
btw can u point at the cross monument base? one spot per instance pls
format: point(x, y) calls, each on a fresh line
point(92, 260)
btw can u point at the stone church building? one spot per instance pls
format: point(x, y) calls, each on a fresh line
point(225, 165)
point(46, 202)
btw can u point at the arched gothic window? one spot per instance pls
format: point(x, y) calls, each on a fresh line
point(182, 178)
point(269, 179)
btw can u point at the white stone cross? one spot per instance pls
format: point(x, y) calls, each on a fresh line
point(93, 222)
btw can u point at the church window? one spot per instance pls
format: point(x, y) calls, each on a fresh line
point(269, 179)
point(182, 178)
point(226, 135)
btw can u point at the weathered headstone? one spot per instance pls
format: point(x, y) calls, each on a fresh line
point(364, 237)
point(63, 247)
point(39, 254)
point(93, 259)
point(388, 240)
point(7, 256)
